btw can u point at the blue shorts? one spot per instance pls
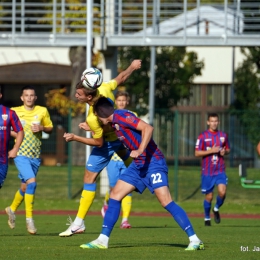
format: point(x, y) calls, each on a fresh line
point(27, 167)
point(3, 173)
point(114, 170)
point(100, 157)
point(208, 182)
point(152, 176)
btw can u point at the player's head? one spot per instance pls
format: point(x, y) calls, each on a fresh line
point(213, 121)
point(83, 94)
point(121, 99)
point(104, 110)
point(28, 96)
point(0, 91)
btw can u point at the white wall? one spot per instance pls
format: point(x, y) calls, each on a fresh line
point(218, 64)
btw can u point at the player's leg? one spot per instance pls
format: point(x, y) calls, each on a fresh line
point(221, 182)
point(11, 215)
point(120, 191)
point(29, 194)
point(207, 187)
point(127, 182)
point(113, 172)
point(18, 199)
point(126, 201)
point(157, 181)
point(98, 160)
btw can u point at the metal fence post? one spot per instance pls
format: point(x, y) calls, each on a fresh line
point(69, 157)
point(176, 154)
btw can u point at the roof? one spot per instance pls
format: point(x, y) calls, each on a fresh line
point(205, 20)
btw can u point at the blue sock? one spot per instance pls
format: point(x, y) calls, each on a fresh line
point(207, 207)
point(111, 216)
point(219, 202)
point(180, 217)
point(31, 187)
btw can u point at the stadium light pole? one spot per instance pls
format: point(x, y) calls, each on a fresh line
point(88, 58)
point(156, 12)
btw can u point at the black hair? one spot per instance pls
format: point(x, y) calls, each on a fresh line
point(103, 107)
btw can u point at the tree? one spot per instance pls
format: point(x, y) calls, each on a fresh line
point(175, 71)
point(247, 93)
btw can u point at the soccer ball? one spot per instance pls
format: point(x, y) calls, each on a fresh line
point(91, 78)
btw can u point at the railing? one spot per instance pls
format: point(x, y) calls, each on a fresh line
point(60, 23)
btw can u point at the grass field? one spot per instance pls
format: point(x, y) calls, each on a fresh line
point(150, 237)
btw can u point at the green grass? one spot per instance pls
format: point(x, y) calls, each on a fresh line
point(52, 191)
point(150, 238)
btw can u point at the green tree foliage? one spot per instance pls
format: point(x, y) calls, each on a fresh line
point(247, 93)
point(175, 70)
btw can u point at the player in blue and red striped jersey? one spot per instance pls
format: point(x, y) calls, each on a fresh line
point(8, 120)
point(147, 170)
point(212, 145)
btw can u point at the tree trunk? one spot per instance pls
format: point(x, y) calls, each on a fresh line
point(77, 57)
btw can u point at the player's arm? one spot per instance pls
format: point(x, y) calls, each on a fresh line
point(202, 153)
point(124, 75)
point(258, 148)
point(147, 131)
point(88, 141)
point(19, 139)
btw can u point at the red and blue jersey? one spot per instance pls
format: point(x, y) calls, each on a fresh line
point(212, 164)
point(8, 120)
point(125, 123)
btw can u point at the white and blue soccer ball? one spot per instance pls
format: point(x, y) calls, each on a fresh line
point(91, 78)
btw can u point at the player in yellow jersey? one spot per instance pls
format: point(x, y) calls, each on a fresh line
point(116, 167)
point(104, 141)
point(35, 120)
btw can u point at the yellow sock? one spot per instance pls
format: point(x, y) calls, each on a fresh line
point(18, 199)
point(87, 198)
point(107, 197)
point(28, 200)
point(126, 206)
point(128, 161)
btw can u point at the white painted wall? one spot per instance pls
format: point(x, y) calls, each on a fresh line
point(218, 64)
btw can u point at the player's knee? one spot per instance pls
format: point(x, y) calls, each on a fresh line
point(90, 177)
point(31, 187)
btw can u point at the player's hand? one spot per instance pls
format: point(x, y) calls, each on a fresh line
point(68, 137)
point(222, 151)
point(215, 149)
point(84, 126)
point(135, 153)
point(36, 128)
point(12, 153)
point(136, 64)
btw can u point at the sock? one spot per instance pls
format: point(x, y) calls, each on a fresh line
point(29, 199)
point(78, 221)
point(111, 216)
point(103, 239)
point(219, 202)
point(126, 207)
point(106, 198)
point(18, 199)
point(194, 238)
point(180, 217)
point(207, 207)
point(87, 198)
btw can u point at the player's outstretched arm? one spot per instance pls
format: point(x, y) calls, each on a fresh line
point(88, 141)
point(124, 75)
point(19, 139)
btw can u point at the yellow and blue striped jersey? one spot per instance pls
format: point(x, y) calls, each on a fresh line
point(106, 90)
point(31, 145)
